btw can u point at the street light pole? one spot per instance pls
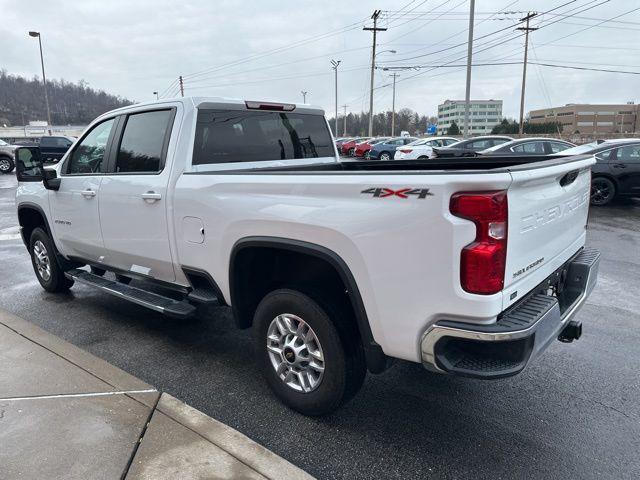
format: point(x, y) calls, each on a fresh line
point(44, 78)
point(304, 96)
point(335, 64)
point(393, 107)
point(156, 94)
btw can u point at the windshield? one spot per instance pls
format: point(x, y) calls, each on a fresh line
point(2, 142)
point(496, 147)
point(420, 141)
point(587, 147)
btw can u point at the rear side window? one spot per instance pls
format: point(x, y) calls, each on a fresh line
point(224, 136)
point(534, 148)
point(557, 147)
point(143, 140)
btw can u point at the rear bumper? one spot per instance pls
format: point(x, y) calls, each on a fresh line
point(520, 334)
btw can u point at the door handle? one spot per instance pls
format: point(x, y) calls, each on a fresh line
point(88, 193)
point(151, 196)
point(619, 165)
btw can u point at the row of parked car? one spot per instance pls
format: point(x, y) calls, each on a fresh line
point(616, 173)
point(52, 149)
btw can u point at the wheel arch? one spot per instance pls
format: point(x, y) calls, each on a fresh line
point(31, 216)
point(244, 299)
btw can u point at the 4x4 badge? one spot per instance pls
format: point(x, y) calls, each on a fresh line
point(383, 192)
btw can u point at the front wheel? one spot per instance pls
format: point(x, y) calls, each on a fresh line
point(352, 152)
point(45, 264)
point(385, 156)
point(310, 365)
point(602, 191)
point(6, 165)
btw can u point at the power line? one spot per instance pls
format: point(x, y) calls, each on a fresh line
point(587, 68)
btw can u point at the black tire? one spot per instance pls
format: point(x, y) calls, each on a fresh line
point(123, 279)
point(344, 361)
point(98, 271)
point(385, 156)
point(6, 165)
point(352, 152)
point(603, 191)
point(423, 157)
point(45, 263)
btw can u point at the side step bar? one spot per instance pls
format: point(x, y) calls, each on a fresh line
point(159, 303)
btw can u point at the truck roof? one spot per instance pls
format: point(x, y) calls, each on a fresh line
point(221, 102)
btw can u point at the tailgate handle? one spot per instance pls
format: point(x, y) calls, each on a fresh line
point(569, 178)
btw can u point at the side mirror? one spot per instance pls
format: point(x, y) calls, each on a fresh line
point(50, 179)
point(28, 164)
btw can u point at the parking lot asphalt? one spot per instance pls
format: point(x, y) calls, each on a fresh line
point(574, 413)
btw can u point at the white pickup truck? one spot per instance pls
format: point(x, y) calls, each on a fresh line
point(468, 266)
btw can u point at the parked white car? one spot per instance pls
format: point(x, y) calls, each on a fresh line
point(422, 148)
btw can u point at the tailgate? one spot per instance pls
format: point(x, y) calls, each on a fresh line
point(548, 208)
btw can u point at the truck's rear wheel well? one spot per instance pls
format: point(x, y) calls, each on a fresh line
point(259, 267)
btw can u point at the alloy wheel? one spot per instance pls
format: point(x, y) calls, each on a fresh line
point(385, 156)
point(5, 165)
point(601, 192)
point(41, 258)
point(295, 353)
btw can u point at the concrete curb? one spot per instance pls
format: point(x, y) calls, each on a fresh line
point(252, 459)
point(231, 441)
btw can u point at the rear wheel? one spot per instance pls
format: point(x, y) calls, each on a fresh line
point(603, 191)
point(385, 156)
point(351, 152)
point(311, 365)
point(423, 157)
point(6, 165)
point(45, 264)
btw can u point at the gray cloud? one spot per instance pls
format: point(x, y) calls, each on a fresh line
point(132, 48)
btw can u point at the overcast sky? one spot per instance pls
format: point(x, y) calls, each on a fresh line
point(251, 49)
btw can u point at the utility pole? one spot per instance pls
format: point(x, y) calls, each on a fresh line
point(393, 106)
point(374, 29)
point(335, 64)
point(526, 29)
point(304, 96)
point(181, 86)
point(467, 96)
point(344, 121)
point(156, 94)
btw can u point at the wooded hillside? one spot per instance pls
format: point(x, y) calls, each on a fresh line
point(22, 100)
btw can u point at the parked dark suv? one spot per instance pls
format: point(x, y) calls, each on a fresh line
point(617, 171)
point(52, 149)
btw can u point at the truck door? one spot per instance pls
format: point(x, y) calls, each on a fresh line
point(133, 196)
point(74, 206)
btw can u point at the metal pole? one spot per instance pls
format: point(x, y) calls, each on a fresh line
point(375, 29)
point(44, 78)
point(524, 66)
point(304, 96)
point(467, 97)
point(181, 86)
point(335, 64)
point(156, 94)
point(344, 121)
point(393, 107)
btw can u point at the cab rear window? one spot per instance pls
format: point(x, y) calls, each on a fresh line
point(224, 136)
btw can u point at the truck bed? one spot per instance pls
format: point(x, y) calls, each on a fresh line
point(461, 165)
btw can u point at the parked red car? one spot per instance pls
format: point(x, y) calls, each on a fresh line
point(363, 147)
point(348, 148)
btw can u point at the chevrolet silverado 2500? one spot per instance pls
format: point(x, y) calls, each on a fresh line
point(469, 267)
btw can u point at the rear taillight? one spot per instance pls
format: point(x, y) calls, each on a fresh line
point(406, 150)
point(482, 262)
